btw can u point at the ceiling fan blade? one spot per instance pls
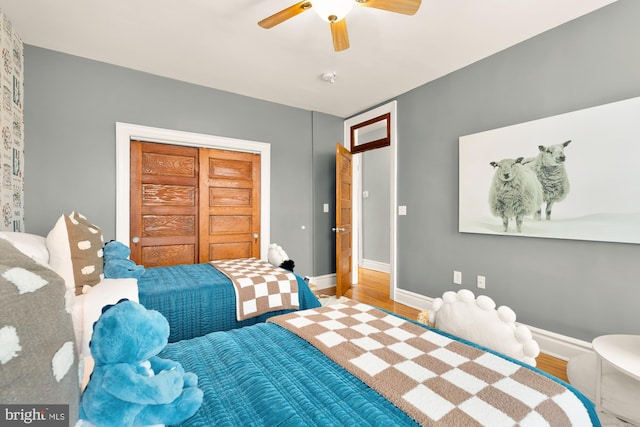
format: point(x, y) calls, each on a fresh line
point(284, 14)
point(407, 7)
point(339, 35)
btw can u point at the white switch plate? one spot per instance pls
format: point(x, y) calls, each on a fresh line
point(402, 210)
point(481, 282)
point(457, 277)
point(325, 207)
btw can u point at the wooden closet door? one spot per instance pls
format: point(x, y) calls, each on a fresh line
point(164, 204)
point(229, 205)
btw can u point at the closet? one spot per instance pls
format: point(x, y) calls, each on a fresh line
point(191, 205)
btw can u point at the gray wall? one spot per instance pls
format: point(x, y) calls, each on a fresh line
point(327, 132)
point(376, 223)
point(72, 105)
point(576, 288)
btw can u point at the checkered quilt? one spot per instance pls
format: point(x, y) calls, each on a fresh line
point(260, 287)
point(435, 379)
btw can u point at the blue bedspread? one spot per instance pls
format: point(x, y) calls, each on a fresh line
point(266, 376)
point(198, 299)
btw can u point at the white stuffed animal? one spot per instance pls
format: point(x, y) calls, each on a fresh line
point(276, 255)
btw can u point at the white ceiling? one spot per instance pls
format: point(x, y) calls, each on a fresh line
point(217, 43)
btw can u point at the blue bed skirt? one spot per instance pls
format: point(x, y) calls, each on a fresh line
point(266, 376)
point(198, 299)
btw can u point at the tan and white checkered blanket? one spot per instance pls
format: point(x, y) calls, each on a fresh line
point(436, 380)
point(260, 287)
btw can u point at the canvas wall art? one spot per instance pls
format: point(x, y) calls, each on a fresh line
point(571, 176)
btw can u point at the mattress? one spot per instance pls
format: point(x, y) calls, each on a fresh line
point(198, 299)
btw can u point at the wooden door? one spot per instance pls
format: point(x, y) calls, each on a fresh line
point(163, 204)
point(230, 205)
point(343, 229)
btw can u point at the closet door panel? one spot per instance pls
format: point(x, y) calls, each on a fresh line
point(230, 205)
point(164, 204)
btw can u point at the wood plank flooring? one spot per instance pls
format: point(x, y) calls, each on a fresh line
point(373, 288)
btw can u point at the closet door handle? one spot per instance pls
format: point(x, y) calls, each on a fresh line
point(337, 229)
point(136, 240)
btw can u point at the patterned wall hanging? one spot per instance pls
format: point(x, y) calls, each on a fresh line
point(11, 127)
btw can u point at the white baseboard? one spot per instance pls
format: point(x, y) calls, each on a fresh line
point(560, 346)
point(376, 266)
point(324, 282)
point(413, 299)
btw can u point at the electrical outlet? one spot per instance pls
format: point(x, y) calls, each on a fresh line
point(457, 278)
point(481, 282)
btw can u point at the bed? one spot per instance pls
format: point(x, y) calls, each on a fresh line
point(342, 364)
point(198, 299)
point(352, 364)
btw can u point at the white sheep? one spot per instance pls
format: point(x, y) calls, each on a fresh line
point(515, 192)
point(548, 166)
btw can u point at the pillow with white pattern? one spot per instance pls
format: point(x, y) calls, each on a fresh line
point(76, 251)
point(38, 362)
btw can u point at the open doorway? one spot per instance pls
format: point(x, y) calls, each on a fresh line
point(364, 133)
point(375, 215)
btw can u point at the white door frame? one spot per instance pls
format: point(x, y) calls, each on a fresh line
point(390, 108)
point(125, 132)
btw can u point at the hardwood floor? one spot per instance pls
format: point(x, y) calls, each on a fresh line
point(373, 288)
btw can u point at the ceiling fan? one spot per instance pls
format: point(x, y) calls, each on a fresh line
point(334, 12)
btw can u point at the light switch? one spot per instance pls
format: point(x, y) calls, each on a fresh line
point(402, 210)
point(325, 207)
point(365, 194)
point(457, 277)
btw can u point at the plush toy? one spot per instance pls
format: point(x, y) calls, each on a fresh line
point(117, 263)
point(130, 385)
point(278, 257)
point(423, 317)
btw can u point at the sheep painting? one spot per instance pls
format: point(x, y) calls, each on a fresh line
point(548, 166)
point(515, 192)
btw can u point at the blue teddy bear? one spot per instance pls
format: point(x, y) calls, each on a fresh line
point(130, 385)
point(117, 264)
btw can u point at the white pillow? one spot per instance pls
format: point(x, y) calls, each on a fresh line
point(477, 320)
point(34, 246)
point(76, 252)
point(108, 291)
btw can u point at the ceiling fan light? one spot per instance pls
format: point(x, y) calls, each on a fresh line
point(336, 9)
